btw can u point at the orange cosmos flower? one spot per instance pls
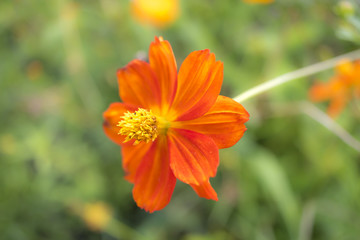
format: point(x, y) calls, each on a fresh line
point(259, 1)
point(340, 89)
point(170, 125)
point(159, 13)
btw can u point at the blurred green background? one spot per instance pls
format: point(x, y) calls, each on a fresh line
point(287, 178)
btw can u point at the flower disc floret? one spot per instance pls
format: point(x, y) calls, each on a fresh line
point(140, 125)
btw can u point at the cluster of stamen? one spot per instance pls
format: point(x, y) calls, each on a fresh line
point(140, 125)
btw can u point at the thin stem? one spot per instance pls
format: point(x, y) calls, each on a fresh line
point(303, 72)
point(307, 221)
point(330, 124)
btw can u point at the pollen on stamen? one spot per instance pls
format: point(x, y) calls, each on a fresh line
point(141, 125)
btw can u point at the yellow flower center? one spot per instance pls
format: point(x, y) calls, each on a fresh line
point(141, 125)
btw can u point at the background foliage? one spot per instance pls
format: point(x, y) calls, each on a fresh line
point(288, 178)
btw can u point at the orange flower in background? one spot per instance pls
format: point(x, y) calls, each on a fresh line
point(340, 89)
point(171, 125)
point(259, 1)
point(158, 13)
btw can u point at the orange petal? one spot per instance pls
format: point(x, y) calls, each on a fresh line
point(138, 85)
point(224, 122)
point(205, 190)
point(345, 67)
point(154, 182)
point(325, 91)
point(357, 90)
point(357, 69)
point(163, 63)
point(194, 157)
point(320, 92)
point(199, 84)
point(337, 104)
point(132, 156)
point(112, 116)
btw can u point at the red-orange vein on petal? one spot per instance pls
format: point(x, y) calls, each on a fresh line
point(154, 181)
point(163, 63)
point(224, 122)
point(194, 157)
point(199, 84)
point(138, 85)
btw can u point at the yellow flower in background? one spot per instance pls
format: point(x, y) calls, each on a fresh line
point(259, 1)
point(96, 215)
point(158, 13)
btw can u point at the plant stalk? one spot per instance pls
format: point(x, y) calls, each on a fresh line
point(303, 72)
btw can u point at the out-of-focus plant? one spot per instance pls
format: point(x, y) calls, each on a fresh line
point(259, 1)
point(349, 23)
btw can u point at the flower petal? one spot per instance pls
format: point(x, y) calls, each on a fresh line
point(194, 157)
point(357, 90)
point(319, 92)
point(224, 122)
point(337, 104)
point(154, 181)
point(132, 155)
point(138, 85)
point(112, 116)
point(163, 63)
point(199, 84)
point(205, 190)
point(345, 67)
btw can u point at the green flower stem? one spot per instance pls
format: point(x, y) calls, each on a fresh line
point(303, 72)
point(312, 111)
